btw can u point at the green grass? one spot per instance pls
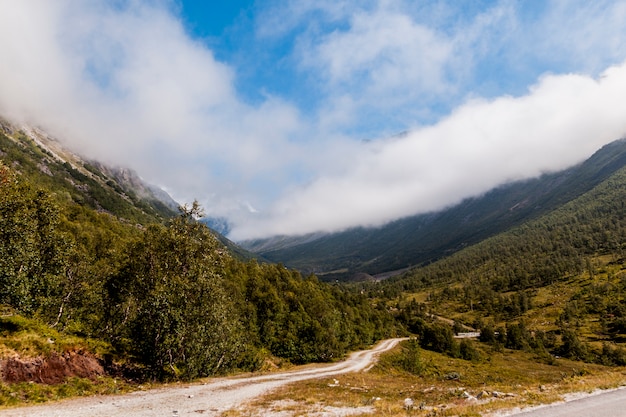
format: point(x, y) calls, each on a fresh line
point(27, 393)
point(27, 338)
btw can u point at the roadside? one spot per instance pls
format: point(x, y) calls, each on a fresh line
point(211, 398)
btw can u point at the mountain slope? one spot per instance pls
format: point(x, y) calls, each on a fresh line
point(114, 190)
point(424, 238)
point(45, 161)
point(82, 253)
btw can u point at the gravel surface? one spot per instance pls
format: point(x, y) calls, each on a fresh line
point(208, 399)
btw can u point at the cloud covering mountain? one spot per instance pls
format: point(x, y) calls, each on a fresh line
point(266, 126)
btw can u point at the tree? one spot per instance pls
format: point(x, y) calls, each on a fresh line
point(169, 301)
point(572, 347)
point(33, 252)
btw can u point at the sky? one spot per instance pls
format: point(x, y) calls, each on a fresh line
point(298, 116)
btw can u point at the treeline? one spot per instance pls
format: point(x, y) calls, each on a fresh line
point(500, 278)
point(432, 334)
point(168, 296)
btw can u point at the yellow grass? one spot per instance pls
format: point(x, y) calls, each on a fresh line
point(516, 378)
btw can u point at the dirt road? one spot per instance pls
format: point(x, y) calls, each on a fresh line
point(209, 399)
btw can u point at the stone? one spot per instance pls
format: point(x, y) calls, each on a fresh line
point(408, 404)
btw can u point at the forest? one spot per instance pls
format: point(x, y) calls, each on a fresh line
point(555, 285)
point(162, 291)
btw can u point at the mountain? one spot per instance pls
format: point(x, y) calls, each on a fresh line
point(91, 252)
point(219, 224)
point(118, 191)
point(114, 190)
point(416, 240)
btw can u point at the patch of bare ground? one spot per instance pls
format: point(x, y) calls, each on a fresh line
point(289, 408)
point(51, 369)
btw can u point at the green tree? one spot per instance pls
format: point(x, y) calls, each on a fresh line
point(33, 253)
point(170, 303)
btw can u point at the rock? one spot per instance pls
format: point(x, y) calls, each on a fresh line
point(468, 396)
point(453, 376)
point(334, 384)
point(408, 404)
point(482, 394)
point(498, 394)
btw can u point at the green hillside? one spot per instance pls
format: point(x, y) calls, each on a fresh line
point(424, 238)
point(555, 285)
point(82, 254)
point(75, 181)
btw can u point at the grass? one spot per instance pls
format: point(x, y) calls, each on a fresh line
point(27, 338)
point(441, 388)
point(28, 393)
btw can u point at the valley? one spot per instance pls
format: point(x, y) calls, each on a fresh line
point(96, 264)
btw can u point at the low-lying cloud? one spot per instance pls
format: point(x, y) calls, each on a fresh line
point(562, 120)
point(126, 83)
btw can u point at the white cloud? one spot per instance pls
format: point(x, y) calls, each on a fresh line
point(380, 59)
point(562, 120)
point(124, 82)
point(382, 50)
point(581, 33)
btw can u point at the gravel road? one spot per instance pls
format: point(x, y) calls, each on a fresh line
point(208, 399)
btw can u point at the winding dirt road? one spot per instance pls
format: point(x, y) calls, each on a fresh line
point(209, 399)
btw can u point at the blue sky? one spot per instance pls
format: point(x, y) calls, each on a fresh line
point(265, 57)
point(284, 116)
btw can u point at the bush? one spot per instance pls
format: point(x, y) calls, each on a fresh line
point(409, 359)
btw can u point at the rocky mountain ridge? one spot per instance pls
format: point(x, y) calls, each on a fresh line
point(92, 181)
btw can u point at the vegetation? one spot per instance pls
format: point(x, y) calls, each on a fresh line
point(425, 238)
point(554, 286)
point(87, 264)
point(437, 385)
point(166, 296)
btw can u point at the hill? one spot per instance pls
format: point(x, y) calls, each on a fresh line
point(425, 238)
point(90, 253)
point(554, 285)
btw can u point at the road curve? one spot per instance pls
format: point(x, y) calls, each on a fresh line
point(611, 403)
point(209, 399)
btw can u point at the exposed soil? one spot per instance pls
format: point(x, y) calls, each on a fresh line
point(52, 369)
